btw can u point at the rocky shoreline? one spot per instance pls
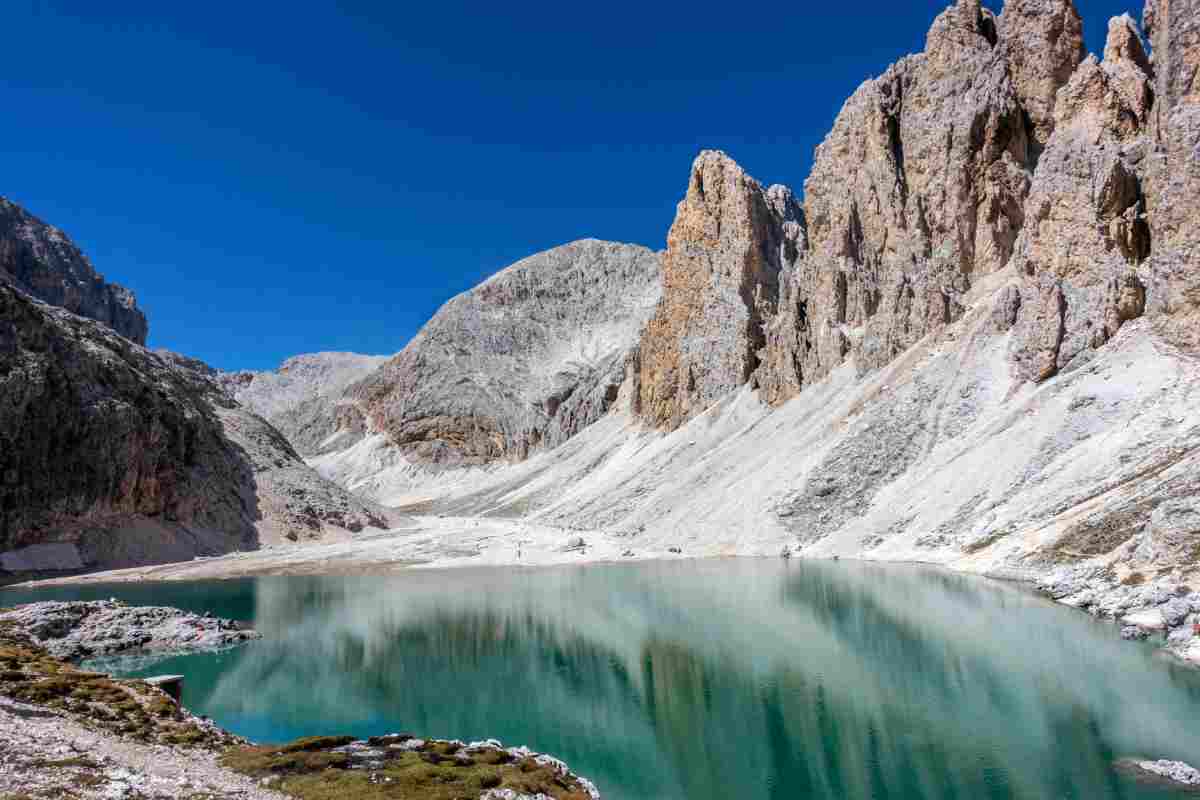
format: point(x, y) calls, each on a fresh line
point(66, 731)
point(75, 631)
point(1144, 607)
point(1162, 604)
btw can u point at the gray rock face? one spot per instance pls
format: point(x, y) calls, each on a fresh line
point(78, 630)
point(97, 431)
point(1173, 176)
point(1172, 535)
point(122, 457)
point(292, 501)
point(1086, 232)
point(998, 146)
point(917, 192)
point(40, 260)
point(300, 398)
point(526, 359)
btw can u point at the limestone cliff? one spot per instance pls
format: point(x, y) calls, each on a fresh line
point(40, 260)
point(1172, 182)
point(917, 192)
point(730, 239)
point(1086, 231)
point(999, 146)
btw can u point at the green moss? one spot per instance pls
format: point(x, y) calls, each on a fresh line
point(311, 743)
point(264, 761)
point(128, 708)
point(437, 771)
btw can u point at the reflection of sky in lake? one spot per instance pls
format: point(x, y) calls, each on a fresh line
point(713, 679)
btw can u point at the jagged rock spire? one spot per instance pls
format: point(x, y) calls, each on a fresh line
point(725, 251)
point(1043, 43)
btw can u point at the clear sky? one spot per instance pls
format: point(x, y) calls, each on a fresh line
point(278, 178)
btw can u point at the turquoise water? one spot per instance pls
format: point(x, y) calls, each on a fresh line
point(703, 680)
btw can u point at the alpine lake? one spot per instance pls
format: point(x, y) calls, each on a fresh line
point(701, 680)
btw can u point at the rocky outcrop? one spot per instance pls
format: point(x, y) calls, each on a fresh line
point(917, 192)
point(300, 399)
point(1043, 43)
point(1173, 176)
point(292, 501)
point(80, 630)
point(40, 260)
point(998, 146)
point(1086, 232)
point(524, 360)
point(730, 239)
point(111, 455)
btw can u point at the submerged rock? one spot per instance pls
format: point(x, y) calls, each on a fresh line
point(1174, 771)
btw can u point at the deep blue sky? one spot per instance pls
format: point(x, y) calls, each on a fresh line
point(277, 178)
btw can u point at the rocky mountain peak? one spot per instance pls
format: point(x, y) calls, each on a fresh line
point(524, 360)
point(42, 261)
point(1124, 43)
point(1043, 43)
point(965, 24)
point(1173, 27)
point(1172, 175)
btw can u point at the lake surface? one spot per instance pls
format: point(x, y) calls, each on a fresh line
point(702, 680)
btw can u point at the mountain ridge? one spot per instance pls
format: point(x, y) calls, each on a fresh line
point(42, 261)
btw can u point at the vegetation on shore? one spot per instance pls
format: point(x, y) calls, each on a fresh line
point(314, 768)
point(402, 766)
point(129, 708)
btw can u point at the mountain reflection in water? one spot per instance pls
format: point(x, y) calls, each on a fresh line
point(714, 679)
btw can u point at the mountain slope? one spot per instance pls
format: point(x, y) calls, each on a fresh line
point(300, 398)
point(111, 455)
point(520, 363)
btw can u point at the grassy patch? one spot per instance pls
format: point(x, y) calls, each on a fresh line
point(434, 771)
point(313, 743)
point(132, 709)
